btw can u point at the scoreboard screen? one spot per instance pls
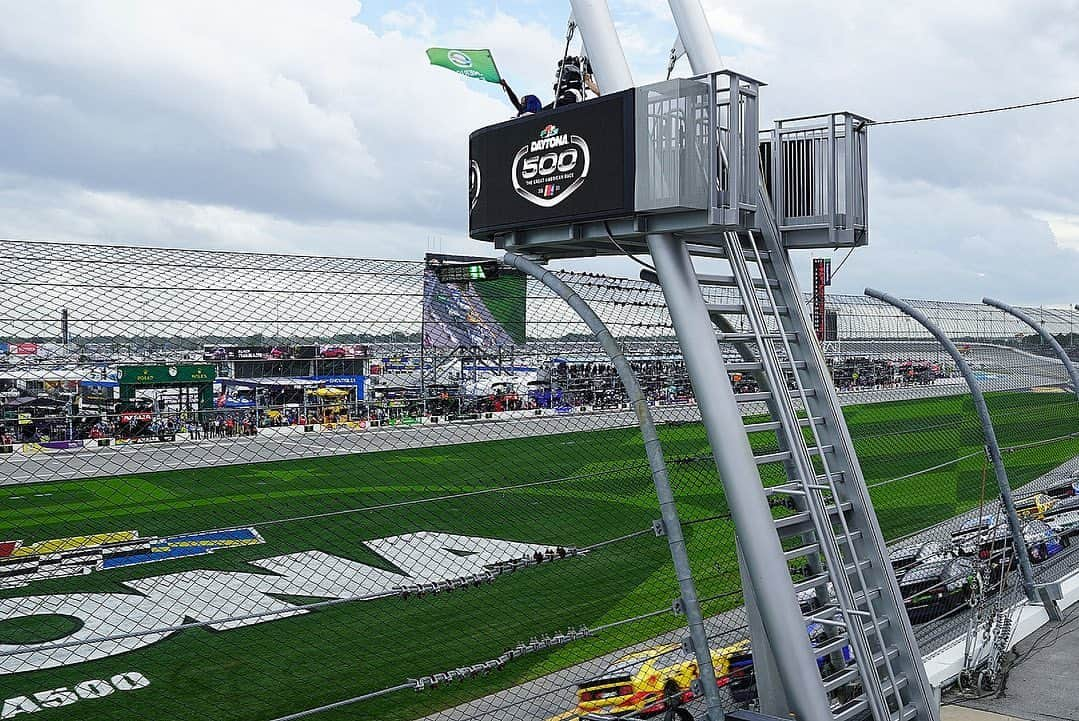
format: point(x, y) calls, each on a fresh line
point(467, 272)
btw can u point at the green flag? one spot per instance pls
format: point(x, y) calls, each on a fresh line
point(474, 63)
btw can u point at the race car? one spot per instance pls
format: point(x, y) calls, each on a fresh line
point(907, 557)
point(989, 539)
point(1064, 489)
point(935, 588)
point(1065, 521)
point(648, 682)
point(971, 525)
point(334, 352)
point(1035, 506)
point(742, 679)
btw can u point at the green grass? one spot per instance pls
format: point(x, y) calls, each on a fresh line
point(283, 666)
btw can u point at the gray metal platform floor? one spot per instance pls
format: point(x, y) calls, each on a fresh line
point(1043, 684)
point(963, 713)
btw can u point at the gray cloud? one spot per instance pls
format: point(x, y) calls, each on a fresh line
point(296, 126)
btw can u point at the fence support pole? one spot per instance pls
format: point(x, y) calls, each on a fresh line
point(672, 527)
point(991, 445)
point(1046, 336)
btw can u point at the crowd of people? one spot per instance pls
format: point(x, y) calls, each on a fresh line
point(862, 373)
point(562, 383)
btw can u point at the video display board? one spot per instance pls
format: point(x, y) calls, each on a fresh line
point(556, 166)
point(474, 314)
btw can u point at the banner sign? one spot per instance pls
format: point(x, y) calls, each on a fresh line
point(343, 350)
point(570, 164)
point(822, 277)
point(478, 64)
point(61, 445)
point(298, 352)
point(132, 416)
point(25, 349)
point(219, 352)
point(257, 352)
point(167, 374)
point(356, 382)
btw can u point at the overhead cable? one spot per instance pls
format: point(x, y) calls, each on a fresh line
point(985, 111)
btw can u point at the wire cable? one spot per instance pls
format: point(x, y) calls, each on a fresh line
point(842, 262)
point(984, 111)
point(635, 259)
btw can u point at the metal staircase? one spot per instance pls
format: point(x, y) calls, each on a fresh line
point(696, 187)
point(830, 536)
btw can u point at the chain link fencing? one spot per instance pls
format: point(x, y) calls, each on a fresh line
point(259, 487)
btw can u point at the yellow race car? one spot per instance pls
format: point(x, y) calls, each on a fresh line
point(649, 682)
point(1035, 506)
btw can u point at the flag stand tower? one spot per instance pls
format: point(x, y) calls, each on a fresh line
point(678, 170)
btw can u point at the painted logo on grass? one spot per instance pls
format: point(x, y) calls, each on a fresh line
point(21, 565)
point(65, 696)
point(223, 600)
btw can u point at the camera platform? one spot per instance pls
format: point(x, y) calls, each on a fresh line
point(683, 156)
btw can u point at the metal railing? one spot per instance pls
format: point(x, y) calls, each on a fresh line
point(696, 146)
point(818, 174)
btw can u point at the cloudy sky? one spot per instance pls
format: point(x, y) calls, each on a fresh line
point(318, 126)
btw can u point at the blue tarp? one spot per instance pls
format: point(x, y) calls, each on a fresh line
point(99, 384)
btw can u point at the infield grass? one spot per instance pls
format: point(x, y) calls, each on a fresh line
point(589, 487)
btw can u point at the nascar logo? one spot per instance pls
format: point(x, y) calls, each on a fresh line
point(21, 565)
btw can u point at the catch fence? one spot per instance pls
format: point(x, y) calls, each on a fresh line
point(250, 486)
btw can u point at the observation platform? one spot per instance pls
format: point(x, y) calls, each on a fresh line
point(683, 156)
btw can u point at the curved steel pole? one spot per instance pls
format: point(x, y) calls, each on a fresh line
point(1046, 336)
point(991, 445)
point(672, 527)
point(593, 18)
point(762, 551)
point(696, 35)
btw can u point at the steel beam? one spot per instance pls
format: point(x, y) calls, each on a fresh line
point(762, 551)
point(696, 35)
point(593, 18)
point(1046, 336)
